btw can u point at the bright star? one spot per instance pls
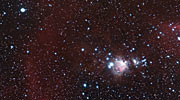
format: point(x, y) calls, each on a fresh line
point(110, 65)
point(178, 38)
point(23, 10)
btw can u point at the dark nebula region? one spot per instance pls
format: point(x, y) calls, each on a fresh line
point(90, 50)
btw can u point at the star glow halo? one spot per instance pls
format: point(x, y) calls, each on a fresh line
point(120, 66)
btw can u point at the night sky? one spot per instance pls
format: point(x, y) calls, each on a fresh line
point(89, 50)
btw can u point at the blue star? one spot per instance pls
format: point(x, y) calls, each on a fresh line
point(110, 65)
point(82, 49)
point(23, 10)
point(27, 51)
point(11, 46)
point(84, 85)
point(178, 38)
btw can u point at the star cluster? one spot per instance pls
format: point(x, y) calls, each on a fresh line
point(89, 50)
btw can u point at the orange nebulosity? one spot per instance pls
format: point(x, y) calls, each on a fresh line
point(40, 61)
point(38, 68)
point(168, 38)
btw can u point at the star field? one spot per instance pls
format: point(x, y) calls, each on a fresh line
point(90, 50)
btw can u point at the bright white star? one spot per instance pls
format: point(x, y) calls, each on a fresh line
point(23, 10)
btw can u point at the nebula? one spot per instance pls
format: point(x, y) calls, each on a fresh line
point(89, 49)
